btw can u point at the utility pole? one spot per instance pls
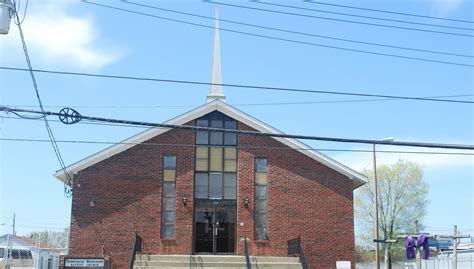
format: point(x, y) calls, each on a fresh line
point(376, 203)
point(455, 248)
point(38, 246)
point(418, 254)
point(454, 236)
point(14, 232)
point(9, 244)
point(376, 215)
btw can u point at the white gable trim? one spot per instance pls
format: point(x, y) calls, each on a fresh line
point(357, 178)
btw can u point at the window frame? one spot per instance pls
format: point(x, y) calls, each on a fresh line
point(265, 212)
point(167, 197)
point(216, 119)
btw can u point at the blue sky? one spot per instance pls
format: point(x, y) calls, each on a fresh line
point(73, 36)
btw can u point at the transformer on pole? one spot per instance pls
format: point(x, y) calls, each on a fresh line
point(7, 11)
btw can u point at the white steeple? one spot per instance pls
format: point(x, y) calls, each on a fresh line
point(216, 72)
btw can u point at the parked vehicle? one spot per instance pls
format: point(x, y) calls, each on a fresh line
point(21, 258)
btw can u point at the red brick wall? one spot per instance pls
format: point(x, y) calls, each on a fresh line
point(305, 198)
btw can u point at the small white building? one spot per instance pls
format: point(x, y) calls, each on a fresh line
point(44, 257)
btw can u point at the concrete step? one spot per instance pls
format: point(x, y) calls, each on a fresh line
point(145, 261)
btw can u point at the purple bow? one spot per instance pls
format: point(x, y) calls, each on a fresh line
point(410, 247)
point(423, 242)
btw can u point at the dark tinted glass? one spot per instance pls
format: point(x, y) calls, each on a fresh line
point(261, 206)
point(261, 220)
point(261, 165)
point(215, 188)
point(169, 204)
point(170, 161)
point(2, 252)
point(217, 124)
point(260, 192)
point(230, 186)
point(167, 231)
point(201, 186)
point(169, 190)
point(202, 137)
point(216, 138)
point(230, 124)
point(202, 123)
point(15, 254)
point(261, 234)
point(230, 139)
point(168, 218)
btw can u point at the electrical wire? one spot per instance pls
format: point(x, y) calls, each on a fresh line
point(234, 105)
point(67, 189)
point(363, 16)
point(339, 20)
point(24, 12)
point(81, 122)
point(240, 147)
point(189, 145)
point(387, 11)
point(282, 39)
point(301, 33)
point(300, 90)
point(42, 227)
point(247, 132)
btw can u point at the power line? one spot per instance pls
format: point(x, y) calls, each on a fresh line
point(240, 147)
point(81, 122)
point(67, 190)
point(42, 227)
point(234, 105)
point(340, 20)
point(282, 39)
point(302, 33)
point(388, 11)
point(364, 16)
point(300, 90)
point(78, 117)
point(193, 145)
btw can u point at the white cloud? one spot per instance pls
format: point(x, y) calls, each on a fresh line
point(57, 38)
point(447, 6)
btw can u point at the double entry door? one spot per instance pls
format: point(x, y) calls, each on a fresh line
point(214, 227)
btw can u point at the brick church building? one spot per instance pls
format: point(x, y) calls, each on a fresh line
point(203, 192)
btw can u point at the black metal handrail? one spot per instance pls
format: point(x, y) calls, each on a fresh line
point(137, 247)
point(295, 247)
point(246, 251)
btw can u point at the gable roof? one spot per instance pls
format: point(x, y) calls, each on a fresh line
point(216, 105)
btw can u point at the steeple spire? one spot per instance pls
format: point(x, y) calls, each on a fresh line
point(216, 72)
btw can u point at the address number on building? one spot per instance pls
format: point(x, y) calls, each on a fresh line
point(84, 262)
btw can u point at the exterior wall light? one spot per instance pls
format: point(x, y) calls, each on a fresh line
point(184, 200)
point(91, 203)
point(246, 202)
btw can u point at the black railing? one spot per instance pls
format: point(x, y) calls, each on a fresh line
point(137, 247)
point(296, 248)
point(246, 251)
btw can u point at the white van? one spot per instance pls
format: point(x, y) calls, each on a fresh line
point(21, 258)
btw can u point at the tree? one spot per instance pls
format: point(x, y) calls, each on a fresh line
point(402, 199)
point(52, 239)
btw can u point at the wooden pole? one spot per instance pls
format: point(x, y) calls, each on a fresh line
point(455, 248)
point(418, 254)
point(376, 217)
